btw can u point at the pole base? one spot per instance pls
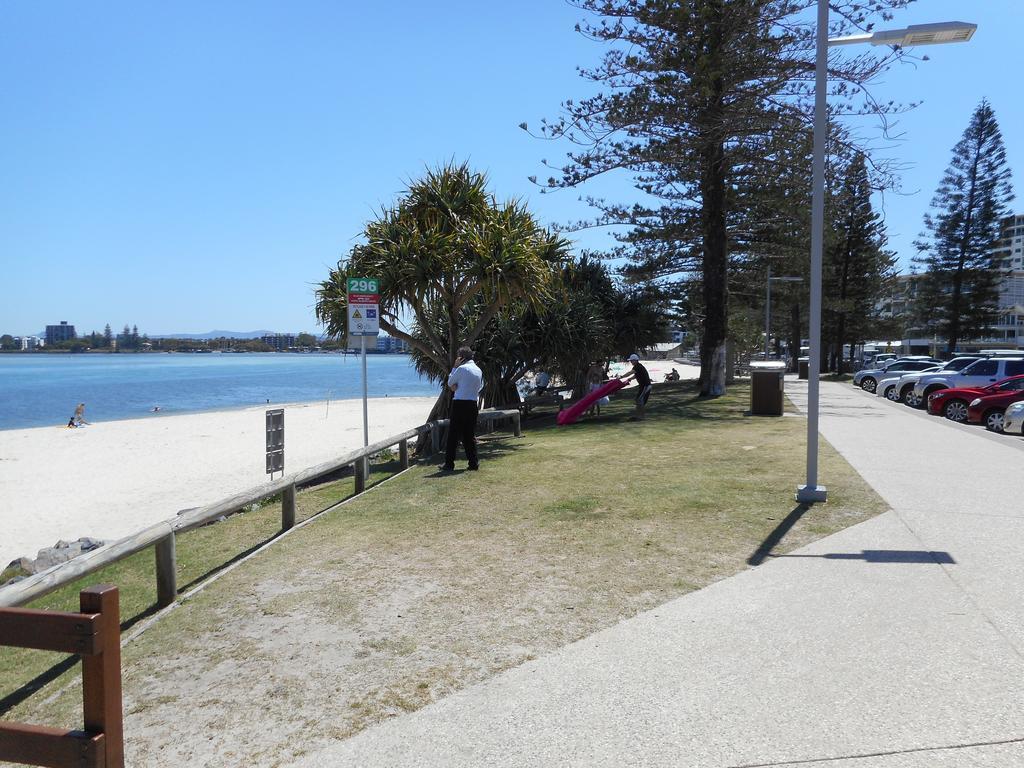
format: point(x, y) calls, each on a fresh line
point(806, 494)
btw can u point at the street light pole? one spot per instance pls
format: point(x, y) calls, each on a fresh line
point(811, 492)
point(922, 34)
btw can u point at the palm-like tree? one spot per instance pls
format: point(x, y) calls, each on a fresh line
point(444, 246)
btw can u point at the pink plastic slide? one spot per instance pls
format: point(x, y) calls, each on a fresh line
point(574, 411)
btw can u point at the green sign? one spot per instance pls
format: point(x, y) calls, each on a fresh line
point(363, 285)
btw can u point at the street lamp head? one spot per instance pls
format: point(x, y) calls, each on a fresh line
point(915, 34)
point(932, 34)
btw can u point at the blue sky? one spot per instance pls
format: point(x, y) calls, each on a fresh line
point(192, 165)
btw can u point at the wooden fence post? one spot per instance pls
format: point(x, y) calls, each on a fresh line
point(101, 674)
point(518, 424)
point(359, 470)
point(288, 508)
point(166, 571)
point(403, 454)
point(435, 437)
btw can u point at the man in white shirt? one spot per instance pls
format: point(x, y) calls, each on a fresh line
point(466, 382)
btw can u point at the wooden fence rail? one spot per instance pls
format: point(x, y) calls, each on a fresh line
point(161, 536)
point(95, 634)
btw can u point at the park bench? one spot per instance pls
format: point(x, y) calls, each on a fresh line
point(532, 401)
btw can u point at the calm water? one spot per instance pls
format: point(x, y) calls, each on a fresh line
point(42, 390)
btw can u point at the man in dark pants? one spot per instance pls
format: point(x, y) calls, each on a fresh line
point(643, 381)
point(466, 382)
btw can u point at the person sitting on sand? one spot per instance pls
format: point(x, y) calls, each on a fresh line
point(78, 419)
point(672, 375)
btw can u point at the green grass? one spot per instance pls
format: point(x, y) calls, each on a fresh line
point(435, 581)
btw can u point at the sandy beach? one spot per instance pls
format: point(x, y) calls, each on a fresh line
point(110, 479)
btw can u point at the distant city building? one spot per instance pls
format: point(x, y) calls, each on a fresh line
point(281, 342)
point(29, 342)
point(1008, 332)
point(391, 344)
point(55, 334)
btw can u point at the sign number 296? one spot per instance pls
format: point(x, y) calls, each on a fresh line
point(363, 285)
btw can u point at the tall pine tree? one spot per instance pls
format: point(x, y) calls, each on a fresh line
point(958, 294)
point(693, 90)
point(858, 269)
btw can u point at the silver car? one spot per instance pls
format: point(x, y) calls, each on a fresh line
point(868, 378)
point(1013, 419)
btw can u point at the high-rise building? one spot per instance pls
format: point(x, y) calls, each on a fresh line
point(281, 342)
point(55, 334)
point(1008, 332)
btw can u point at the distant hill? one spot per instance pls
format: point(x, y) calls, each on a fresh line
point(219, 335)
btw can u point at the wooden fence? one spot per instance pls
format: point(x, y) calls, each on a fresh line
point(161, 536)
point(94, 634)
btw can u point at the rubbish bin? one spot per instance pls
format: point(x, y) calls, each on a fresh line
point(803, 365)
point(766, 386)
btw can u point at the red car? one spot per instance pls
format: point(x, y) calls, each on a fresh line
point(988, 408)
point(955, 403)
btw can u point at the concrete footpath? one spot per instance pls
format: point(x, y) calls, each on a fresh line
point(897, 643)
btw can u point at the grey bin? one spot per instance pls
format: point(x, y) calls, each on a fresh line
point(803, 365)
point(766, 388)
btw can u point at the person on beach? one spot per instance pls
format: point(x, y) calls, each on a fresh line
point(466, 383)
point(643, 381)
point(78, 419)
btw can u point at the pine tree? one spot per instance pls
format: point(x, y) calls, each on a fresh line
point(958, 295)
point(126, 338)
point(693, 91)
point(135, 337)
point(858, 269)
point(108, 336)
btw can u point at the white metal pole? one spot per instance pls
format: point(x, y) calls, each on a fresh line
point(811, 491)
point(767, 311)
point(366, 424)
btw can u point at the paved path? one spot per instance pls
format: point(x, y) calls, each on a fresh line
point(897, 643)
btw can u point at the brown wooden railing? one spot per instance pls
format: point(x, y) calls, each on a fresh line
point(95, 635)
point(161, 536)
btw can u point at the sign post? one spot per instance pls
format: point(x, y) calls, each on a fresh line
point(363, 321)
point(275, 442)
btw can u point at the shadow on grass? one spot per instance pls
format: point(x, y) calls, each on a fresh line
point(772, 540)
point(489, 448)
point(47, 676)
point(669, 401)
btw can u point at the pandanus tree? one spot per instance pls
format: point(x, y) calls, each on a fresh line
point(444, 247)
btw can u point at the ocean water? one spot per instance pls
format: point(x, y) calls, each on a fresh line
point(39, 390)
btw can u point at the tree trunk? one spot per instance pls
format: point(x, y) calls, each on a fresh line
point(715, 267)
point(441, 410)
point(794, 336)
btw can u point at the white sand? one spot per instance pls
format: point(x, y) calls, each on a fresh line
point(110, 479)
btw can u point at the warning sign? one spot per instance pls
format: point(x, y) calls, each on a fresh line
point(363, 320)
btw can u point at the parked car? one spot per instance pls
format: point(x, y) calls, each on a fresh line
point(954, 402)
point(868, 378)
point(989, 408)
point(891, 386)
point(905, 391)
point(1013, 419)
point(980, 373)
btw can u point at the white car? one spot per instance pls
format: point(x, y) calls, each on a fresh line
point(895, 386)
point(980, 373)
point(905, 390)
point(1013, 419)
